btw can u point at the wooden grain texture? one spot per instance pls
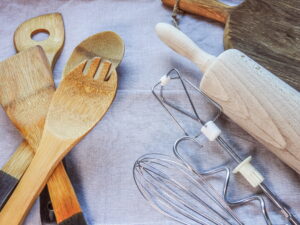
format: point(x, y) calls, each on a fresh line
point(77, 105)
point(107, 45)
point(258, 101)
point(62, 193)
point(19, 161)
point(53, 25)
point(26, 91)
point(266, 30)
point(48, 23)
point(60, 186)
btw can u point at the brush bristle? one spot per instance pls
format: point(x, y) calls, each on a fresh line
point(7, 185)
point(77, 219)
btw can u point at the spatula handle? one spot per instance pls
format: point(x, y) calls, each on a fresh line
point(183, 45)
point(212, 9)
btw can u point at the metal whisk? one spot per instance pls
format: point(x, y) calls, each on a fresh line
point(180, 193)
point(152, 172)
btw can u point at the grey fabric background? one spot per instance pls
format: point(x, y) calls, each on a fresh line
point(101, 164)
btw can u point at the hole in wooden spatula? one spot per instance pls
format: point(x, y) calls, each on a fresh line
point(40, 35)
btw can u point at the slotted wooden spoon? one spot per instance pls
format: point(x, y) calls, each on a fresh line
point(266, 30)
point(109, 46)
point(78, 104)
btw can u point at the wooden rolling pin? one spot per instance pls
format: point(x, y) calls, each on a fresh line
point(254, 98)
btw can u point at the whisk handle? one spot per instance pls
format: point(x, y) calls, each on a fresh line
point(183, 45)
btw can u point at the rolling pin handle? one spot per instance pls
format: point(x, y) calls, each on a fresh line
point(183, 45)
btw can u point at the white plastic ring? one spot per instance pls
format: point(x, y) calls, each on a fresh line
point(164, 80)
point(211, 130)
point(249, 172)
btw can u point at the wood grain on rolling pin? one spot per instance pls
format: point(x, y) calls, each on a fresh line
point(259, 102)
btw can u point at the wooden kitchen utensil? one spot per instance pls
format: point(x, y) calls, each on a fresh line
point(52, 24)
point(60, 184)
point(266, 30)
point(78, 104)
point(109, 46)
point(12, 171)
point(262, 104)
point(19, 161)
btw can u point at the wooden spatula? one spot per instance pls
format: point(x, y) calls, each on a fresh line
point(60, 185)
point(266, 30)
point(12, 171)
point(80, 101)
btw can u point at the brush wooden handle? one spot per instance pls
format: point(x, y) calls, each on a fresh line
point(212, 9)
point(258, 101)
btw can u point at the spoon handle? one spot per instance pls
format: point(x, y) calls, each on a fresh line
point(34, 179)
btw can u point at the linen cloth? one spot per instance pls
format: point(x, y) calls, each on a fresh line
point(100, 166)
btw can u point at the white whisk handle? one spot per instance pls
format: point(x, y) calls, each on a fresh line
point(252, 175)
point(164, 80)
point(211, 130)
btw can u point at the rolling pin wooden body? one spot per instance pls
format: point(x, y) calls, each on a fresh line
point(254, 98)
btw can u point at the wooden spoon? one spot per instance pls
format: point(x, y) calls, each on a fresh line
point(78, 104)
point(266, 30)
point(109, 46)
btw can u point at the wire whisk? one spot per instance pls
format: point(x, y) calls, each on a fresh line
point(180, 193)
